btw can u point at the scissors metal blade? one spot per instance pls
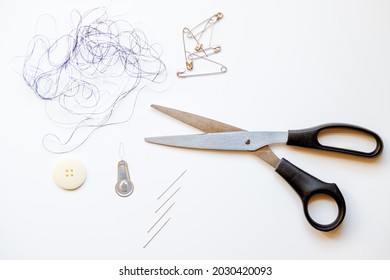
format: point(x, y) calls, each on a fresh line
point(204, 124)
point(228, 141)
point(211, 126)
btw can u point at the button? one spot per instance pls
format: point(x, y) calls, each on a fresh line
point(69, 173)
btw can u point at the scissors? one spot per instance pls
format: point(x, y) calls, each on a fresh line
point(221, 136)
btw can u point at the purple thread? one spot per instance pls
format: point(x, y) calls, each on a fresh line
point(68, 70)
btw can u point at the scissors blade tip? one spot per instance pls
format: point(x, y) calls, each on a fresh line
point(158, 107)
point(160, 140)
point(149, 139)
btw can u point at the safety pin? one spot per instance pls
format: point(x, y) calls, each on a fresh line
point(207, 51)
point(223, 69)
point(209, 22)
point(198, 48)
point(182, 74)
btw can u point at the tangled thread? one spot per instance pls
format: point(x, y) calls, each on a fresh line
point(86, 74)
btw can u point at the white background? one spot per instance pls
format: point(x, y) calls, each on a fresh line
point(291, 65)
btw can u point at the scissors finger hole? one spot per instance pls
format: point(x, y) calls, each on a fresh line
point(323, 209)
point(345, 138)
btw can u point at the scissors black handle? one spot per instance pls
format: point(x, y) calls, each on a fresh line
point(309, 138)
point(306, 187)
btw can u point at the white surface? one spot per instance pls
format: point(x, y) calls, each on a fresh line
point(69, 173)
point(291, 64)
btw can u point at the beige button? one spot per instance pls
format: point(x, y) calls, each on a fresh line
point(69, 173)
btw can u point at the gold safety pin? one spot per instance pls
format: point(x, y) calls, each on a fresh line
point(222, 70)
point(198, 48)
point(207, 51)
point(209, 22)
point(201, 52)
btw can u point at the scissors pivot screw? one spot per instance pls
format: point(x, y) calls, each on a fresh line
point(247, 141)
